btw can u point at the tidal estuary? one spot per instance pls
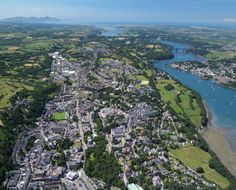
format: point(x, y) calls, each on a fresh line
point(220, 100)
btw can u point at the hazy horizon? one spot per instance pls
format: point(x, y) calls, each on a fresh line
point(125, 11)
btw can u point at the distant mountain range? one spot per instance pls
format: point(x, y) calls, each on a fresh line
point(31, 20)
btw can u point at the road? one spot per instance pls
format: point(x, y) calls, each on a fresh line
point(29, 171)
point(86, 180)
point(80, 125)
point(16, 149)
point(174, 126)
point(135, 154)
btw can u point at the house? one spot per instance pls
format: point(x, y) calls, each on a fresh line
point(118, 132)
point(39, 174)
point(73, 165)
point(133, 186)
point(71, 175)
point(53, 186)
point(57, 172)
point(58, 130)
point(156, 181)
point(13, 178)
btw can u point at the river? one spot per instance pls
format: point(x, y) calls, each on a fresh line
point(110, 30)
point(220, 100)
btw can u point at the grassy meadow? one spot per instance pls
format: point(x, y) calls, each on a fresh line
point(10, 87)
point(180, 100)
point(194, 157)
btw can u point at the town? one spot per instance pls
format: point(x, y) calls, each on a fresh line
point(221, 73)
point(106, 110)
point(118, 95)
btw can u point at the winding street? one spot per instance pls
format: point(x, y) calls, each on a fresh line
point(80, 126)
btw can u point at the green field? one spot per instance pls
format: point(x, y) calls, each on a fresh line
point(194, 157)
point(185, 107)
point(60, 116)
point(9, 87)
point(149, 72)
point(40, 45)
point(104, 60)
point(220, 55)
point(143, 79)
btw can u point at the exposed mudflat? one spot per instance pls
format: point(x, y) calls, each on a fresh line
point(216, 140)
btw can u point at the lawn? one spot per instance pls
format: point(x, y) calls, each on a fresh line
point(143, 79)
point(184, 107)
point(194, 157)
point(60, 116)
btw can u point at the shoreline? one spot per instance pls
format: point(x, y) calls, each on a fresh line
point(214, 136)
point(217, 142)
point(218, 80)
point(223, 83)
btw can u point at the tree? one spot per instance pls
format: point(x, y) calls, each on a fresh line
point(99, 161)
point(75, 118)
point(169, 87)
point(64, 144)
point(200, 170)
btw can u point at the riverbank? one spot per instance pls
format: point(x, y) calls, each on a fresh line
point(223, 81)
point(216, 140)
point(220, 99)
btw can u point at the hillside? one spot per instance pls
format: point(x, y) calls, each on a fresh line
point(31, 20)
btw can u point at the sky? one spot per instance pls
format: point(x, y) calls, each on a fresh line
point(126, 11)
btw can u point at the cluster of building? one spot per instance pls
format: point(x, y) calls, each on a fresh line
point(222, 72)
point(68, 128)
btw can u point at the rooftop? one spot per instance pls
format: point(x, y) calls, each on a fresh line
point(133, 186)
